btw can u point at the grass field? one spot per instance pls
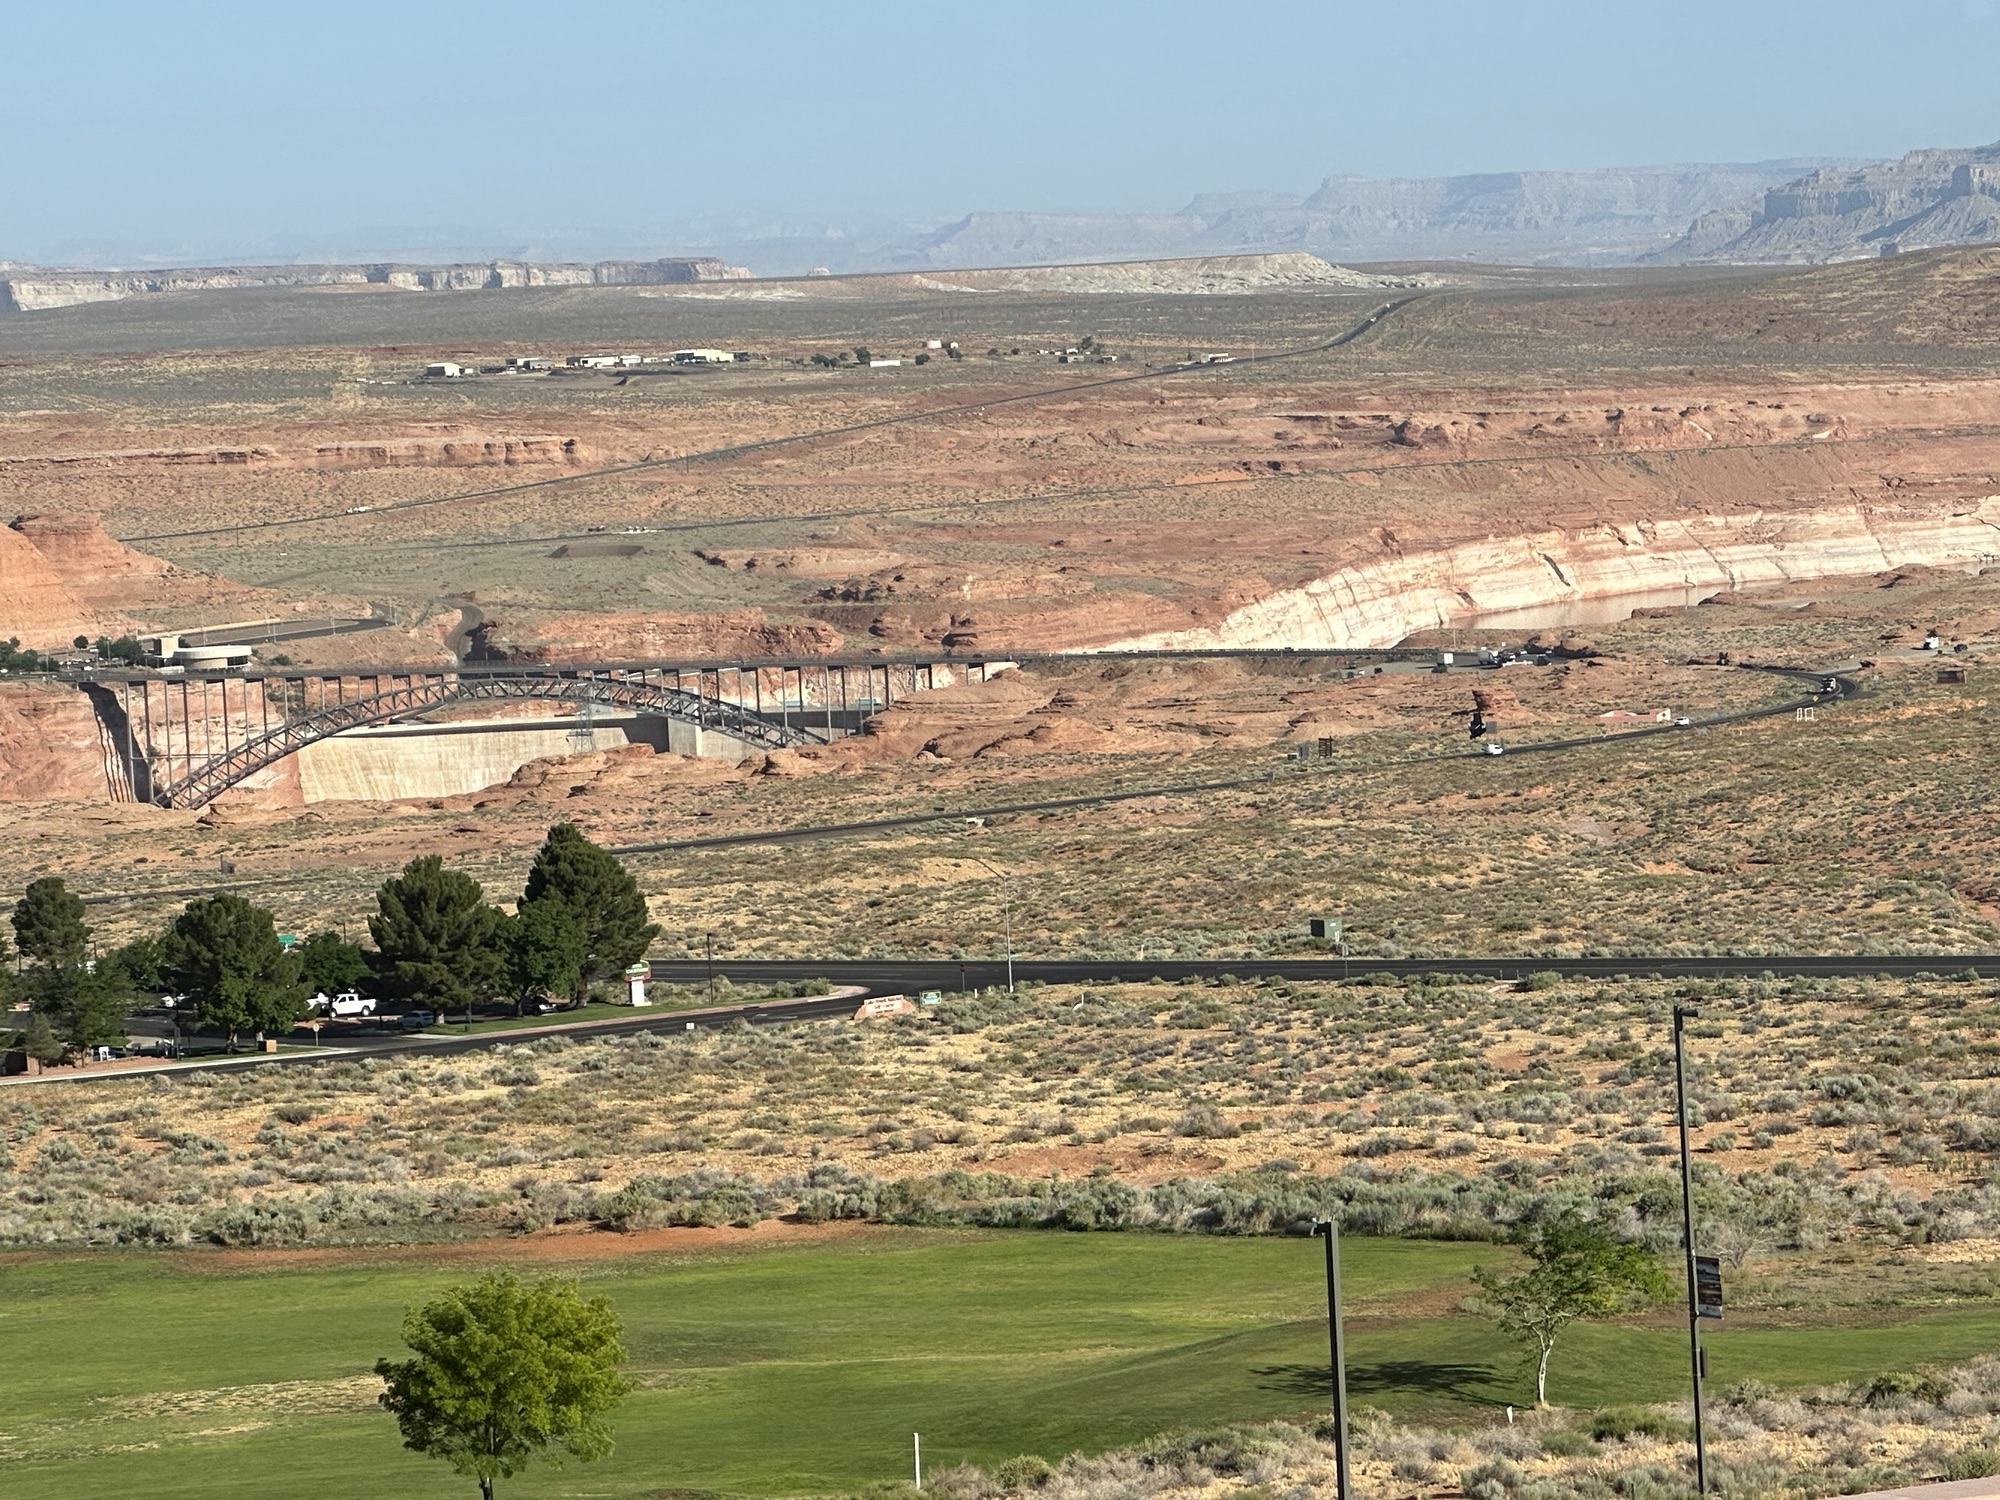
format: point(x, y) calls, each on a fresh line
point(805, 1367)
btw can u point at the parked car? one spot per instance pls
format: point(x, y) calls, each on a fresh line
point(346, 1003)
point(417, 1020)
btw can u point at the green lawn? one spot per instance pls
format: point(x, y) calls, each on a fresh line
point(804, 1368)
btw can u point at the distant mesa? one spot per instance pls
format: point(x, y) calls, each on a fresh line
point(1927, 200)
point(35, 289)
point(1794, 211)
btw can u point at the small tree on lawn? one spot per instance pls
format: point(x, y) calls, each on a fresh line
point(436, 939)
point(48, 924)
point(503, 1370)
point(600, 895)
point(224, 955)
point(1575, 1270)
point(545, 952)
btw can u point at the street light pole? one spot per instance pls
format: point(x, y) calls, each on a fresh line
point(1336, 1340)
point(1682, 1014)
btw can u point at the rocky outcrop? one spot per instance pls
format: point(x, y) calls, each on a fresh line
point(450, 450)
point(1922, 201)
point(37, 606)
point(742, 634)
point(35, 289)
point(62, 575)
point(1381, 600)
point(1193, 277)
point(101, 571)
point(51, 746)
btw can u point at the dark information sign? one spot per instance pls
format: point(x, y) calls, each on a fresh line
point(1707, 1287)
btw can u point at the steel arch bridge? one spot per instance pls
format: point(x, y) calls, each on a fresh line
point(206, 774)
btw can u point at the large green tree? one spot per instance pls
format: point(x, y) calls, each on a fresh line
point(1575, 1270)
point(503, 1370)
point(328, 963)
point(224, 955)
point(84, 1007)
point(600, 896)
point(436, 938)
point(136, 965)
point(48, 924)
point(545, 952)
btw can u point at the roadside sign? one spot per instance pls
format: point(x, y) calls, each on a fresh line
point(286, 939)
point(931, 997)
point(1707, 1287)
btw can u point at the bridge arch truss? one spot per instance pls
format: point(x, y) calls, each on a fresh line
point(184, 741)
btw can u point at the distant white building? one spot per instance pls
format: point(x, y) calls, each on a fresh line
point(703, 357)
point(883, 364)
point(444, 369)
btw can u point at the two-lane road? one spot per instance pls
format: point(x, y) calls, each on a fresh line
point(911, 976)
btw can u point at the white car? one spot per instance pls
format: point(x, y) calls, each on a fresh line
point(346, 1003)
point(1683, 722)
point(1494, 749)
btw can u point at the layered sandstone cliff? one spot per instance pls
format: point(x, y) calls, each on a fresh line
point(742, 634)
point(1380, 600)
point(52, 747)
point(62, 575)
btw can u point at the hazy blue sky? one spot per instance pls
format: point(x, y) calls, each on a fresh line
point(233, 127)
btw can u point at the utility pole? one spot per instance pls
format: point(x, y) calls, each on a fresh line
point(1336, 1340)
point(917, 1453)
point(708, 946)
point(1006, 917)
point(1682, 1014)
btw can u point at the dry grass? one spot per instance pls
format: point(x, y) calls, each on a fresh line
point(1893, 1431)
point(1827, 1113)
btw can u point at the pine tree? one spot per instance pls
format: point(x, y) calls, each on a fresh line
point(39, 1041)
point(600, 896)
point(436, 939)
point(48, 924)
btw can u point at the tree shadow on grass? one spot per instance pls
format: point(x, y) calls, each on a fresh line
point(1472, 1385)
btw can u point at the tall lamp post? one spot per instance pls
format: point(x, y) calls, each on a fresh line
point(1336, 1340)
point(1683, 1014)
point(1006, 916)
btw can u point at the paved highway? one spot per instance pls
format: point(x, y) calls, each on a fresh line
point(445, 1043)
point(857, 978)
point(910, 976)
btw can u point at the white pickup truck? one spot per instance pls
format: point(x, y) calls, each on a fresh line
point(346, 1003)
